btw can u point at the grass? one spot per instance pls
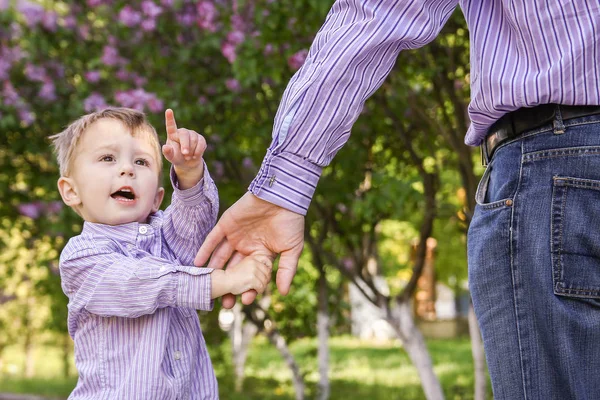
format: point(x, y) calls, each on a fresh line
point(358, 370)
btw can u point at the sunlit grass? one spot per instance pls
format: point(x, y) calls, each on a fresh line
point(358, 370)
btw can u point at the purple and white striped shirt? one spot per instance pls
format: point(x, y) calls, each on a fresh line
point(133, 292)
point(523, 53)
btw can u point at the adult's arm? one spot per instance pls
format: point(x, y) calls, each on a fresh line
point(349, 59)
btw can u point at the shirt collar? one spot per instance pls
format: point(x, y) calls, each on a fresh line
point(125, 232)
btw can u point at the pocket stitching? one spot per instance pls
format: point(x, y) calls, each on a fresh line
point(562, 184)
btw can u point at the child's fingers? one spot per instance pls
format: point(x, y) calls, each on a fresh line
point(193, 138)
point(200, 147)
point(168, 152)
point(171, 124)
point(184, 141)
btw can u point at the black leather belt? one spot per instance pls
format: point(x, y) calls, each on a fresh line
point(515, 123)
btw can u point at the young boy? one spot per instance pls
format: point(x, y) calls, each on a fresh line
point(129, 276)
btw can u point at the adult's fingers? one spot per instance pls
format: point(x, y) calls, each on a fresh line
point(221, 255)
point(171, 124)
point(288, 263)
point(213, 239)
point(249, 296)
point(228, 300)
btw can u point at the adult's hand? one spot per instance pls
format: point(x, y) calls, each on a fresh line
point(255, 226)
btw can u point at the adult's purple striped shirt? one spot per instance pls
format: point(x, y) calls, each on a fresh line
point(133, 292)
point(523, 53)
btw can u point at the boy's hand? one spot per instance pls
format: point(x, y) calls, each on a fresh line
point(252, 273)
point(184, 149)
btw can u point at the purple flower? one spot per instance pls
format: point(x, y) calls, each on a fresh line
point(202, 100)
point(54, 207)
point(122, 74)
point(70, 22)
point(268, 49)
point(186, 19)
point(237, 22)
point(5, 67)
point(33, 13)
point(26, 116)
point(94, 102)
point(148, 25)
point(58, 68)
point(35, 73)
point(92, 76)
point(84, 31)
point(48, 91)
point(155, 105)
point(207, 14)
point(110, 56)
point(348, 263)
point(129, 17)
point(228, 51)
point(4, 5)
point(218, 170)
point(247, 163)
point(138, 80)
point(96, 3)
point(167, 3)
point(49, 21)
point(296, 60)
point(150, 9)
point(11, 97)
point(32, 210)
point(233, 85)
point(235, 37)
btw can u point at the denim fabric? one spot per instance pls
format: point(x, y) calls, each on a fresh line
point(534, 263)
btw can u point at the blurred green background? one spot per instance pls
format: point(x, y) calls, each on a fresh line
point(385, 232)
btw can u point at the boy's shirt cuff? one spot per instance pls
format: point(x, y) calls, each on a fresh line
point(194, 288)
point(197, 193)
point(286, 180)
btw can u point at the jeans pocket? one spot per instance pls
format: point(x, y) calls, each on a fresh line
point(575, 237)
point(484, 196)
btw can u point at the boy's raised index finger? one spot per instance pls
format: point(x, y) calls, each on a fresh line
point(170, 123)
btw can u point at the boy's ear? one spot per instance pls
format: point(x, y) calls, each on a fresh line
point(68, 192)
point(160, 193)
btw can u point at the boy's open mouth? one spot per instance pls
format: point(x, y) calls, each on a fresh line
point(124, 193)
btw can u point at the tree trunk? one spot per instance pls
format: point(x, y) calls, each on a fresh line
point(323, 335)
point(28, 367)
point(256, 314)
point(279, 342)
point(402, 321)
point(66, 355)
point(478, 356)
point(241, 335)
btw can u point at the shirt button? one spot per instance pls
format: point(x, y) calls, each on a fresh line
point(143, 229)
point(177, 355)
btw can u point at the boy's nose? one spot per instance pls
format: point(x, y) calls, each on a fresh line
point(127, 169)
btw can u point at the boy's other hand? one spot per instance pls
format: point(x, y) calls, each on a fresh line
point(252, 273)
point(184, 148)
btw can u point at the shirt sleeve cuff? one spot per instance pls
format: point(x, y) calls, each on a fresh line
point(196, 194)
point(286, 180)
point(194, 288)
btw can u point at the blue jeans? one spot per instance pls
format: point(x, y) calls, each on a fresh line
point(534, 263)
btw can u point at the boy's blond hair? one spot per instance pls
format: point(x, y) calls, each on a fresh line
point(66, 141)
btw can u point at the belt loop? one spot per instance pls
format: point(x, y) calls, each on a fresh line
point(558, 124)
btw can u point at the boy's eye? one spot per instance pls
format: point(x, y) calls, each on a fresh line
point(142, 162)
point(107, 158)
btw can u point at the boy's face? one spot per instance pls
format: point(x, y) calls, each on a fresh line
point(114, 178)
